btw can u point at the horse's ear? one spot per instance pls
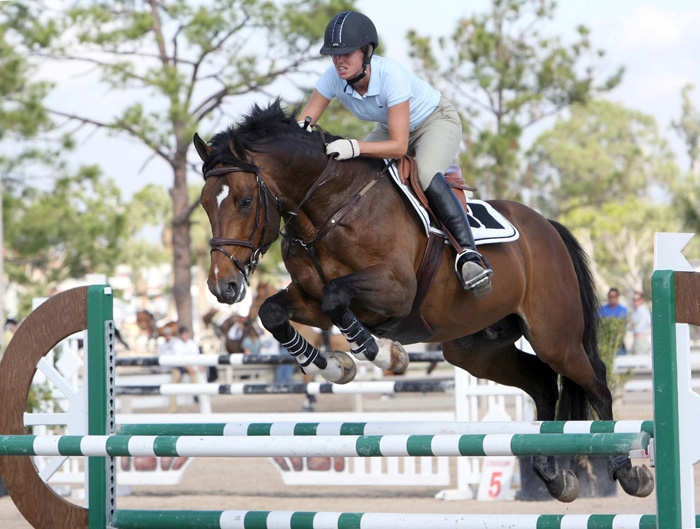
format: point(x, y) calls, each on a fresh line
point(203, 149)
point(237, 148)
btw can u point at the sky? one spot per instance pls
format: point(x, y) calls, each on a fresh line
point(655, 40)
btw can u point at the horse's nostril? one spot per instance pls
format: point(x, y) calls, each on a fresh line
point(231, 289)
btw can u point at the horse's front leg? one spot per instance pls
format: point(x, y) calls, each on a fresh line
point(363, 288)
point(275, 313)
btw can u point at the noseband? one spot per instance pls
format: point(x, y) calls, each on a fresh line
point(217, 243)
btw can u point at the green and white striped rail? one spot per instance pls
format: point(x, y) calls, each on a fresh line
point(131, 519)
point(336, 446)
point(386, 428)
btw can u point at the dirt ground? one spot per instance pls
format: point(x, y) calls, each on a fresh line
point(254, 484)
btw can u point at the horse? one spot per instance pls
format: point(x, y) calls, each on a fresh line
point(353, 246)
point(146, 322)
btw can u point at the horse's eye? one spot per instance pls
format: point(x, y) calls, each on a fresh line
point(245, 203)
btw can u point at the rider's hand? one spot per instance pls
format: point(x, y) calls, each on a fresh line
point(304, 125)
point(343, 149)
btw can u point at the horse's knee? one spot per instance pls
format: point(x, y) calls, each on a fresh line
point(336, 299)
point(272, 315)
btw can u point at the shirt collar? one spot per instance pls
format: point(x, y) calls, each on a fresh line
point(374, 82)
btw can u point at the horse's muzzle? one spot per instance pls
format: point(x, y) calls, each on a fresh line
point(228, 292)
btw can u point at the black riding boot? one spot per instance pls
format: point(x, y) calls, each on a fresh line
point(475, 272)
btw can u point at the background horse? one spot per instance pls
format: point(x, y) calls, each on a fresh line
point(353, 249)
point(147, 324)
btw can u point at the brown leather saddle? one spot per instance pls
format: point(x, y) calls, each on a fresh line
point(413, 328)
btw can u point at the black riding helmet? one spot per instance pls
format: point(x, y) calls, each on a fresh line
point(348, 32)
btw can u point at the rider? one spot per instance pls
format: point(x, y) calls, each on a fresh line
point(412, 117)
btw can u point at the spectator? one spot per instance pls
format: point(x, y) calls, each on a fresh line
point(9, 331)
point(613, 309)
point(284, 373)
point(640, 325)
point(184, 345)
point(251, 341)
point(165, 348)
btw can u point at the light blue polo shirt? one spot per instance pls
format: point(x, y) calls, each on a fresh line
point(389, 84)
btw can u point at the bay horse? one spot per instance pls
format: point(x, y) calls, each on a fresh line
point(352, 247)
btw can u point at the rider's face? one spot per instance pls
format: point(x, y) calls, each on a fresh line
point(348, 65)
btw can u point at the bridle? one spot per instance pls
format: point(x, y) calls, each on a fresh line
point(262, 210)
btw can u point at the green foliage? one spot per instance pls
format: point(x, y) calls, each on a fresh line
point(606, 173)
point(507, 73)
point(687, 190)
point(600, 153)
point(74, 228)
point(611, 334)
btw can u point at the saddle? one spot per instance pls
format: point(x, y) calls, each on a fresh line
point(414, 328)
point(408, 174)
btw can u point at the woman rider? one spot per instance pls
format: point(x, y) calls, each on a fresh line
point(412, 117)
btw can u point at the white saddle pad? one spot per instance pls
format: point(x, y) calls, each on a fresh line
point(488, 225)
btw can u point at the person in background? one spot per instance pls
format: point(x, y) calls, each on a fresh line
point(8, 332)
point(251, 341)
point(184, 345)
point(640, 325)
point(165, 349)
point(284, 373)
point(613, 309)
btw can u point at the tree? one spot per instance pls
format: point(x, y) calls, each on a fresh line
point(602, 152)
point(687, 192)
point(71, 229)
point(179, 64)
point(148, 211)
point(606, 173)
point(506, 74)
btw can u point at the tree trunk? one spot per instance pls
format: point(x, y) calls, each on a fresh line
point(182, 260)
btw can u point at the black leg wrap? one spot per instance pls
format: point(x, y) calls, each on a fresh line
point(304, 352)
point(361, 341)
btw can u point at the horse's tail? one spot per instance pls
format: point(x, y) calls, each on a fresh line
point(573, 402)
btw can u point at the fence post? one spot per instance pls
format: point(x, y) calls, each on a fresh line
point(99, 358)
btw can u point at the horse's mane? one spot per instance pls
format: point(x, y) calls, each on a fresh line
point(261, 129)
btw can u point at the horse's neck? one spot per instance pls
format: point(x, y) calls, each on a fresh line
point(323, 192)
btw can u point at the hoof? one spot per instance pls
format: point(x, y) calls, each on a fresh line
point(345, 366)
point(564, 487)
point(391, 357)
point(639, 481)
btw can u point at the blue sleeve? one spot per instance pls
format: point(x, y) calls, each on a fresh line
point(327, 84)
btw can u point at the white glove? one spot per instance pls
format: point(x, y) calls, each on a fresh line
point(302, 124)
point(343, 149)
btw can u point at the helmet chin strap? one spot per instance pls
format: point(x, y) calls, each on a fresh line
point(365, 63)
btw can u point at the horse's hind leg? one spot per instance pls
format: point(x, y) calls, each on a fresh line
point(274, 314)
point(492, 354)
point(587, 374)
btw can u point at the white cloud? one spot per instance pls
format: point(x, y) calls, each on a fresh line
point(649, 26)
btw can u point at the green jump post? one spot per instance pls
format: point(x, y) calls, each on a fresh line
point(99, 358)
point(676, 405)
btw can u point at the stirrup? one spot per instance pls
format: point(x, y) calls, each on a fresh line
point(481, 283)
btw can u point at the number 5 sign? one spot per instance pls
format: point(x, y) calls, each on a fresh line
point(496, 477)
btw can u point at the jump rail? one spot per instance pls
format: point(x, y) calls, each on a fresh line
point(211, 360)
